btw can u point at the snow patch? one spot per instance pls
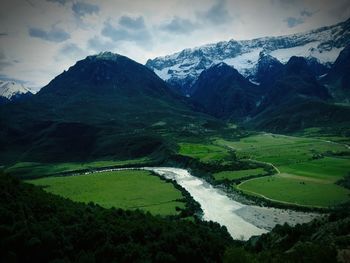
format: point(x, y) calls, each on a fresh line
point(10, 89)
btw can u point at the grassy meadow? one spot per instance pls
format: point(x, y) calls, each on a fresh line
point(128, 189)
point(307, 169)
point(206, 153)
point(34, 170)
point(279, 149)
point(241, 174)
point(296, 190)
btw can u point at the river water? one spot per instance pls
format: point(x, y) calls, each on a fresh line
point(242, 221)
point(216, 205)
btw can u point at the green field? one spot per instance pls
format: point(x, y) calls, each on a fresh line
point(296, 190)
point(234, 175)
point(34, 170)
point(206, 153)
point(307, 168)
point(328, 168)
point(279, 149)
point(130, 189)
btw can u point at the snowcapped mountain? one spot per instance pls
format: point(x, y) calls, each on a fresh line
point(182, 69)
point(11, 90)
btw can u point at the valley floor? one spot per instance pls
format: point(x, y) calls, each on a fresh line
point(258, 168)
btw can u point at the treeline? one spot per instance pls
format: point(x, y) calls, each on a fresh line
point(36, 226)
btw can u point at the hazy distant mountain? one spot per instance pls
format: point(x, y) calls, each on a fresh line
point(11, 90)
point(182, 69)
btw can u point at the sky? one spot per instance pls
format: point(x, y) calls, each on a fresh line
point(39, 39)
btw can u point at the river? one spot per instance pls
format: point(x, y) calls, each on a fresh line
point(216, 206)
point(242, 221)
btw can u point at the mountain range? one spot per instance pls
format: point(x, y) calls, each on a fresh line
point(108, 106)
point(182, 69)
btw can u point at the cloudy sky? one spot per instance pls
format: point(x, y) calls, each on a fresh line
point(41, 38)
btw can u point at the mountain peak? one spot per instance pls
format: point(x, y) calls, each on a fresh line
point(297, 65)
point(106, 55)
point(11, 90)
point(103, 73)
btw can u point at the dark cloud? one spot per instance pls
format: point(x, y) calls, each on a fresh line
point(81, 9)
point(179, 26)
point(72, 51)
point(132, 23)
point(125, 30)
point(54, 35)
point(217, 14)
point(61, 2)
point(3, 34)
point(293, 21)
point(4, 61)
point(306, 13)
point(97, 45)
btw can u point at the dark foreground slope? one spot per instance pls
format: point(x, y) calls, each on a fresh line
point(323, 240)
point(37, 226)
point(105, 106)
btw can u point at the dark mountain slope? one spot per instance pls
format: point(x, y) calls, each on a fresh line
point(267, 70)
point(104, 106)
point(297, 101)
point(224, 93)
point(338, 78)
point(301, 114)
point(296, 80)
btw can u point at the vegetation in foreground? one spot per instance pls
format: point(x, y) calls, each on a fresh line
point(129, 189)
point(41, 227)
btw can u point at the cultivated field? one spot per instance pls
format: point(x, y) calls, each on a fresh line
point(34, 170)
point(281, 150)
point(205, 153)
point(307, 169)
point(296, 190)
point(130, 189)
point(234, 175)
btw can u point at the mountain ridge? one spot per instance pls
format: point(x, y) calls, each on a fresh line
point(180, 70)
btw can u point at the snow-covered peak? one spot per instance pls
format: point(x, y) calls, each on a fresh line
point(12, 89)
point(181, 69)
point(105, 56)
